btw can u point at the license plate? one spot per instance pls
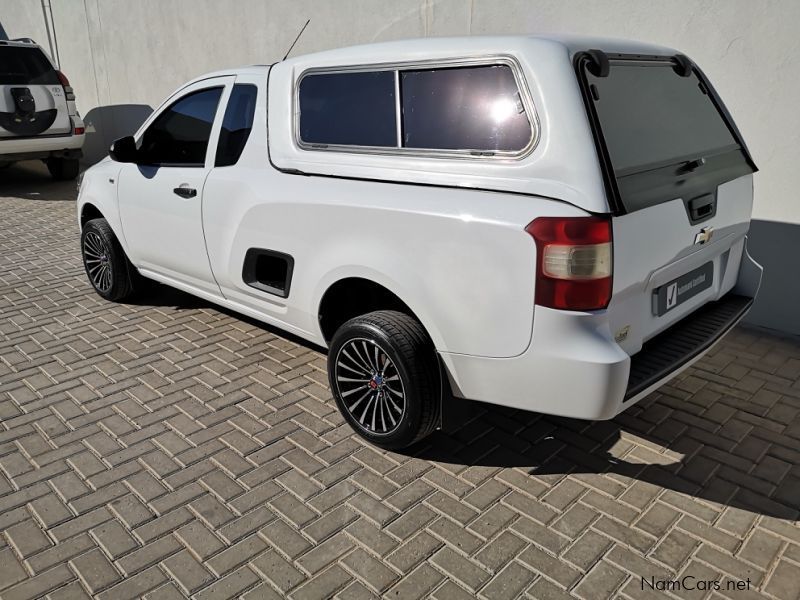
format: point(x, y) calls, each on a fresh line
point(678, 291)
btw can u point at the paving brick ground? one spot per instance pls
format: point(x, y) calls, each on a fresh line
point(168, 449)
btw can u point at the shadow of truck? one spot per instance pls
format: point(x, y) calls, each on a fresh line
point(104, 124)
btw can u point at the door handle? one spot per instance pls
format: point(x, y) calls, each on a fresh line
point(185, 192)
point(702, 207)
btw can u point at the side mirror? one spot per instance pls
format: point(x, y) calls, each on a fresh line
point(124, 150)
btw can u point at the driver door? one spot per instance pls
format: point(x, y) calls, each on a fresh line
point(160, 196)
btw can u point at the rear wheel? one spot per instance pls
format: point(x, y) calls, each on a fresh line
point(105, 262)
point(63, 168)
point(384, 376)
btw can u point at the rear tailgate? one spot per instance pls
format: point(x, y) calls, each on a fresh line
point(679, 180)
point(32, 99)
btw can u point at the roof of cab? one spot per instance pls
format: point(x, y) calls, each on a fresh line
point(248, 70)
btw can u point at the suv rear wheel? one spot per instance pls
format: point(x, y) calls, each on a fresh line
point(384, 376)
point(63, 168)
point(105, 262)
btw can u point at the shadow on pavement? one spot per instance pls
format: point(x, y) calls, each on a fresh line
point(156, 294)
point(160, 295)
point(30, 180)
point(711, 462)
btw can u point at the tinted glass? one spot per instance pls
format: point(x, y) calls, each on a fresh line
point(179, 135)
point(651, 115)
point(465, 108)
point(352, 109)
point(236, 124)
point(25, 66)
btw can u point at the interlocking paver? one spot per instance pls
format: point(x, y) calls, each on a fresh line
point(11, 571)
point(371, 538)
point(461, 569)
point(509, 583)
point(762, 548)
point(60, 553)
point(149, 555)
point(185, 570)
point(136, 586)
point(165, 448)
point(601, 582)
point(39, 585)
point(27, 538)
point(325, 553)
point(278, 571)
point(50, 511)
point(285, 539)
point(71, 591)
point(324, 585)
point(237, 555)
point(499, 552)
point(330, 523)
point(114, 539)
point(785, 581)
point(95, 571)
point(370, 571)
point(450, 591)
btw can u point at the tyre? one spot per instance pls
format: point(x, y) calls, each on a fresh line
point(384, 375)
point(63, 168)
point(105, 262)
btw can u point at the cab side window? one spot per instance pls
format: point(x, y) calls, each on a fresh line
point(236, 124)
point(179, 135)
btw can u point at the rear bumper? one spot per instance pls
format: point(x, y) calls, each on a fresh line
point(574, 368)
point(66, 146)
point(677, 347)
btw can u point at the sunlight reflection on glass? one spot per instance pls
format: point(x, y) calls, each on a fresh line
point(501, 109)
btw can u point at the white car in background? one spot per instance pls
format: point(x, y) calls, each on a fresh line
point(38, 118)
point(556, 225)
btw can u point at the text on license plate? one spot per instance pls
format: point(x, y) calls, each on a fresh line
point(678, 291)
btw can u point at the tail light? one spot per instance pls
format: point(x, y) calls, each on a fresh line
point(68, 91)
point(573, 262)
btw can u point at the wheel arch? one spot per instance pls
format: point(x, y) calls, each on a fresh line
point(88, 212)
point(350, 295)
point(97, 198)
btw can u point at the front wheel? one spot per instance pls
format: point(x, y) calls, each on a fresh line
point(105, 261)
point(384, 376)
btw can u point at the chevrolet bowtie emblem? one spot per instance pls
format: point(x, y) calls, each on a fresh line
point(704, 235)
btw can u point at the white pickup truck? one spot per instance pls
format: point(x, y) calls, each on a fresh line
point(553, 224)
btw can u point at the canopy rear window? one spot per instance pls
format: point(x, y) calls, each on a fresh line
point(25, 66)
point(657, 129)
